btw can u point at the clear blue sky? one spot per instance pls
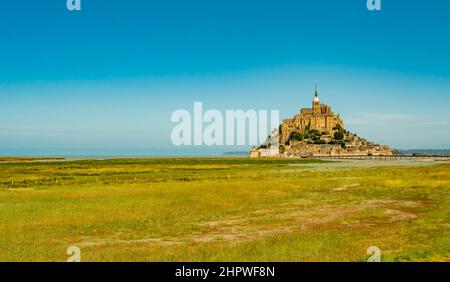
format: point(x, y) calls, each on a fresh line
point(106, 79)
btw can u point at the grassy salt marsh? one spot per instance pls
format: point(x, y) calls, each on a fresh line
point(224, 209)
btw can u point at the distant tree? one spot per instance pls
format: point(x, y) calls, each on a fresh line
point(339, 135)
point(337, 127)
point(314, 134)
point(320, 141)
point(296, 136)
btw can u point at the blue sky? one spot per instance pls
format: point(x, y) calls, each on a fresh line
point(106, 80)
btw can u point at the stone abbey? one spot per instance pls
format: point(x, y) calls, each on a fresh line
point(319, 117)
point(316, 131)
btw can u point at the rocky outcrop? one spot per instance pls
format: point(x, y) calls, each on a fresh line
point(338, 142)
point(316, 131)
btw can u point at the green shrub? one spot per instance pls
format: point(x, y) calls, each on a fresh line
point(320, 141)
point(339, 135)
point(296, 136)
point(337, 127)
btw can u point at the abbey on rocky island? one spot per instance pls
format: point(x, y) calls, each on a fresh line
point(316, 131)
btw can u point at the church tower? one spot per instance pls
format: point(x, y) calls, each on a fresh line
point(316, 101)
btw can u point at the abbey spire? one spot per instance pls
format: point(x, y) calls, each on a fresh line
point(316, 93)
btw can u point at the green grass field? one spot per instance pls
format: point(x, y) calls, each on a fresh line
point(223, 209)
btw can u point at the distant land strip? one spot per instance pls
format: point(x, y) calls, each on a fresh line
point(28, 159)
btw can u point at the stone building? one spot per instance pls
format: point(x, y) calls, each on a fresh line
point(320, 117)
point(270, 148)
